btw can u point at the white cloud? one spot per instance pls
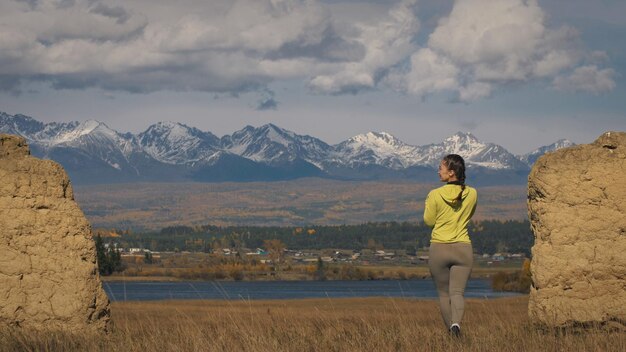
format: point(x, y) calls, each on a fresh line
point(552, 63)
point(484, 43)
point(153, 45)
point(475, 91)
point(503, 40)
point(487, 31)
point(386, 43)
point(587, 79)
point(54, 21)
point(258, 26)
point(429, 73)
point(242, 45)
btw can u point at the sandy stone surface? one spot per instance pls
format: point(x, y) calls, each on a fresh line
point(577, 209)
point(48, 270)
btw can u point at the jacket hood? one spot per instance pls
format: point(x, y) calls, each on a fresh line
point(449, 193)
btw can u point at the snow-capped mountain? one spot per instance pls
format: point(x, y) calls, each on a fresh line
point(34, 130)
point(376, 148)
point(92, 138)
point(92, 152)
point(530, 158)
point(54, 134)
point(99, 142)
point(475, 153)
point(19, 124)
point(273, 145)
point(93, 135)
point(386, 150)
point(178, 144)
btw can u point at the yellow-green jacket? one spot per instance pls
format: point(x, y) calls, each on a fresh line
point(448, 218)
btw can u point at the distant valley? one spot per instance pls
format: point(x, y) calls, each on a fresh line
point(300, 202)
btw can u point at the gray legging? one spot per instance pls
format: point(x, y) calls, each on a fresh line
point(450, 266)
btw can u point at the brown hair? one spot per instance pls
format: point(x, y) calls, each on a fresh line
point(456, 163)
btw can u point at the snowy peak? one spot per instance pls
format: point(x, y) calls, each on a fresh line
point(273, 145)
point(531, 157)
point(462, 143)
point(386, 150)
point(277, 134)
point(377, 140)
point(92, 146)
point(89, 141)
point(176, 132)
point(379, 148)
point(100, 142)
point(268, 133)
point(52, 134)
point(20, 124)
point(85, 128)
point(562, 143)
point(474, 151)
point(478, 153)
point(176, 143)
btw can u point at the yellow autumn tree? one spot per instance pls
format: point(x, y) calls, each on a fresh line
point(275, 250)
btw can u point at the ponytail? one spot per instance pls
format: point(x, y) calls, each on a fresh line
point(456, 163)
point(459, 198)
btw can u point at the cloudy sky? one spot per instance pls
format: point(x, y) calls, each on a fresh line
point(518, 73)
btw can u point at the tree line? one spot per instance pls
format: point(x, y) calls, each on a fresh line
point(488, 236)
point(109, 259)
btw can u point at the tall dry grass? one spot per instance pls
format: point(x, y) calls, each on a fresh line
point(357, 324)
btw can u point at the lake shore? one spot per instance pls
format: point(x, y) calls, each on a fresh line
point(382, 273)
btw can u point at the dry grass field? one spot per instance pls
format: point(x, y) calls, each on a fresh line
point(307, 201)
point(362, 324)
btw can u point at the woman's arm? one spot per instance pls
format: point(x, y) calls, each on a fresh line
point(430, 210)
point(475, 202)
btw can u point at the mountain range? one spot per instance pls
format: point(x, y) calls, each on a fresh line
point(93, 153)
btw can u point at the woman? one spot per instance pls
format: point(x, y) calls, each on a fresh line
point(448, 211)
